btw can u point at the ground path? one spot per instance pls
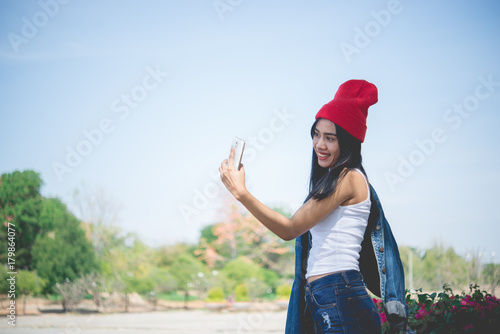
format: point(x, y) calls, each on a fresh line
point(165, 322)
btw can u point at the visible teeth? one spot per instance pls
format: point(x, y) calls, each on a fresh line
point(323, 155)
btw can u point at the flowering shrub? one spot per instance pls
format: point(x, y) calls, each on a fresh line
point(476, 312)
point(383, 317)
point(444, 312)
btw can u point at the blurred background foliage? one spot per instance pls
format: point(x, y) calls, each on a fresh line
point(236, 259)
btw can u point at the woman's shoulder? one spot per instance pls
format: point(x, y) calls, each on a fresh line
point(355, 183)
point(354, 175)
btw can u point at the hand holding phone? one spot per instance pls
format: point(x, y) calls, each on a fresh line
point(239, 146)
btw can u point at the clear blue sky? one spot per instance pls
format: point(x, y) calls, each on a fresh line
point(169, 83)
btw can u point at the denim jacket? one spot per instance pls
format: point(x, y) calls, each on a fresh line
point(379, 263)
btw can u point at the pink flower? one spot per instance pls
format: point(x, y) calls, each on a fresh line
point(422, 313)
point(470, 326)
point(383, 318)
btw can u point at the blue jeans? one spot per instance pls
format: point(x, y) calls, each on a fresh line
point(339, 303)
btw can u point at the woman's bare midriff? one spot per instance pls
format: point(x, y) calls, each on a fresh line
point(315, 277)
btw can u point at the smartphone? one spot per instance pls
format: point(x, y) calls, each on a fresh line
point(239, 146)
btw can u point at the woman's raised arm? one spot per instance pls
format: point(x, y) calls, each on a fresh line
point(308, 215)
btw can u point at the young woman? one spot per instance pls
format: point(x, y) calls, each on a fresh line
point(332, 224)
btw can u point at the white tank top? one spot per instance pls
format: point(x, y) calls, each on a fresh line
point(336, 240)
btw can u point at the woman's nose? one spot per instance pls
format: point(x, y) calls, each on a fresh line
point(320, 143)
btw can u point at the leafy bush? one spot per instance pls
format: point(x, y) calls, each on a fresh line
point(29, 283)
point(256, 288)
point(241, 269)
point(270, 278)
point(216, 295)
point(141, 285)
point(176, 297)
point(241, 293)
point(444, 312)
point(219, 279)
point(284, 291)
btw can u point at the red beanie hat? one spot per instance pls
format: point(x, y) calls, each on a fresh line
point(349, 107)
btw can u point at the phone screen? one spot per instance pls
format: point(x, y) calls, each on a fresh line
point(239, 146)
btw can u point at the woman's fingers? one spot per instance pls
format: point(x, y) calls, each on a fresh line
point(223, 170)
point(231, 157)
point(234, 180)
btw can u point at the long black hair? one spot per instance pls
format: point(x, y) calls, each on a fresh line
point(323, 181)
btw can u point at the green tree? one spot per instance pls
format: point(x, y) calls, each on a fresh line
point(28, 283)
point(126, 263)
point(62, 251)
point(167, 255)
point(186, 269)
point(20, 204)
point(434, 267)
point(141, 285)
point(96, 207)
point(163, 280)
point(241, 234)
point(4, 283)
point(491, 275)
point(242, 268)
point(258, 280)
point(208, 234)
point(219, 279)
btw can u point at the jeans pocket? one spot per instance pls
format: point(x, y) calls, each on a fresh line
point(324, 296)
point(326, 318)
point(365, 313)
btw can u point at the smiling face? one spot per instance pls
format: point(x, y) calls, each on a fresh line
point(325, 143)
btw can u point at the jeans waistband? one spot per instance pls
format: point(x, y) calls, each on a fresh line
point(343, 278)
